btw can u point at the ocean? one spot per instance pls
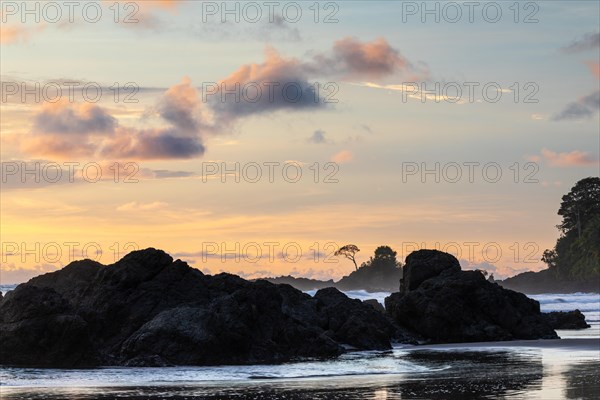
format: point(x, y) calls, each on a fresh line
point(551, 369)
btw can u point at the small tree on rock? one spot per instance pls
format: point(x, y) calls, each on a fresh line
point(348, 251)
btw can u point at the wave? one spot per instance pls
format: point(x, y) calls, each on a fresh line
point(352, 364)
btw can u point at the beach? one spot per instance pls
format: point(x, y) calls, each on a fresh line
point(553, 369)
point(567, 368)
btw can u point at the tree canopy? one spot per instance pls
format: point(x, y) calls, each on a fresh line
point(577, 251)
point(384, 257)
point(349, 251)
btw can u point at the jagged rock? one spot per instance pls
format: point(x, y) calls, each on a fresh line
point(444, 304)
point(375, 304)
point(38, 328)
point(372, 278)
point(149, 310)
point(353, 322)
point(546, 281)
point(566, 319)
point(424, 264)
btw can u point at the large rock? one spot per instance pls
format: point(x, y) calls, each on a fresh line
point(444, 304)
point(38, 328)
point(149, 310)
point(566, 319)
point(353, 322)
point(424, 264)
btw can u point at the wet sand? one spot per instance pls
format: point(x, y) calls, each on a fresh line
point(538, 369)
point(565, 344)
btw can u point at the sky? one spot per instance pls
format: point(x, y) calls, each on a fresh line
point(256, 138)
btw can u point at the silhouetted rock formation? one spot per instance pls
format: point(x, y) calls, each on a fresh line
point(425, 264)
point(566, 319)
point(304, 284)
point(547, 282)
point(445, 304)
point(148, 310)
point(375, 304)
point(371, 278)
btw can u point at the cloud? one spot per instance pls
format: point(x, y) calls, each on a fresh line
point(589, 41)
point(151, 144)
point(135, 206)
point(11, 274)
point(588, 105)
point(67, 130)
point(574, 158)
point(35, 174)
point(277, 83)
point(164, 173)
point(65, 118)
point(585, 107)
point(352, 58)
point(342, 157)
point(264, 30)
point(179, 104)
point(318, 137)
point(365, 128)
point(594, 67)
point(12, 34)
point(285, 83)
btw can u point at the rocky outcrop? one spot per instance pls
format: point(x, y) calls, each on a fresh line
point(303, 284)
point(444, 304)
point(372, 278)
point(546, 281)
point(148, 309)
point(425, 264)
point(39, 327)
point(566, 319)
point(375, 304)
point(354, 322)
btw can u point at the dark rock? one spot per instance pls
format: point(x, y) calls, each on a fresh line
point(449, 305)
point(148, 310)
point(372, 278)
point(303, 284)
point(350, 321)
point(546, 281)
point(424, 264)
point(38, 328)
point(566, 319)
point(375, 304)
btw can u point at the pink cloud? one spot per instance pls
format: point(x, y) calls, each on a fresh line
point(372, 60)
point(65, 130)
point(344, 156)
point(574, 158)
point(594, 67)
point(16, 34)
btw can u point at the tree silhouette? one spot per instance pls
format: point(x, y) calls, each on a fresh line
point(576, 254)
point(348, 251)
point(385, 254)
point(580, 205)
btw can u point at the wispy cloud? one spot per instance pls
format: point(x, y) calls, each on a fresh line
point(585, 107)
point(343, 157)
point(135, 206)
point(573, 158)
point(12, 34)
point(589, 41)
point(318, 137)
